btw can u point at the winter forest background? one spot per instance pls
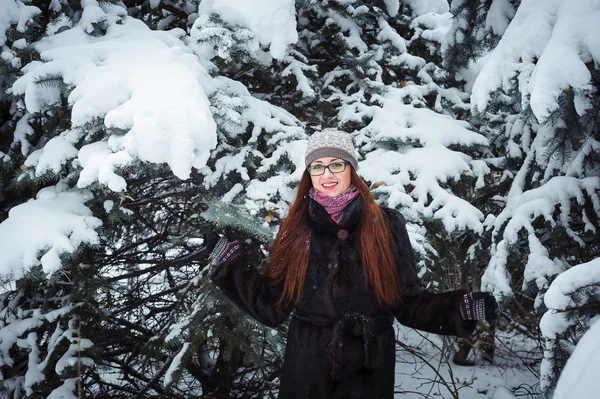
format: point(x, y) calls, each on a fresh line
point(129, 128)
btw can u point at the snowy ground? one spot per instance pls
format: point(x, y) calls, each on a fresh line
point(418, 380)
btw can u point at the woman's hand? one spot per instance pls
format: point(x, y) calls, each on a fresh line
point(222, 249)
point(478, 306)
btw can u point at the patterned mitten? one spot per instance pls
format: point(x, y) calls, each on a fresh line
point(225, 252)
point(478, 306)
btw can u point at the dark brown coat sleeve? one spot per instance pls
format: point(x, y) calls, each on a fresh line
point(250, 291)
point(435, 313)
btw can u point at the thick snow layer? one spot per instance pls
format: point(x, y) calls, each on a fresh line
point(392, 7)
point(547, 46)
point(146, 83)
point(15, 12)
point(559, 296)
point(585, 274)
point(433, 27)
point(579, 377)
point(66, 390)
point(499, 15)
point(503, 393)
point(99, 164)
point(520, 210)
point(394, 169)
point(565, 293)
point(422, 160)
point(421, 7)
point(55, 154)
point(39, 231)
point(273, 21)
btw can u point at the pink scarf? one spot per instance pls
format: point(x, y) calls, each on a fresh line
point(334, 206)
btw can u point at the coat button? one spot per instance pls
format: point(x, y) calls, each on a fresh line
point(342, 234)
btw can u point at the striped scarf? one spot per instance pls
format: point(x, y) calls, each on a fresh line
point(334, 206)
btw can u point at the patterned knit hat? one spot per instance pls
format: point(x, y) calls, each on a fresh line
point(331, 143)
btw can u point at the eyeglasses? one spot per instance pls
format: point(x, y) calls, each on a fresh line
point(317, 170)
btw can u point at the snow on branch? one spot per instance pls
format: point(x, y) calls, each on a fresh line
point(574, 290)
point(272, 21)
point(162, 105)
point(579, 377)
point(423, 159)
point(547, 46)
point(561, 295)
point(522, 208)
point(38, 232)
point(279, 128)
point(15, 12)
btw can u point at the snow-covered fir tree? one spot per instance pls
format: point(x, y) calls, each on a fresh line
point(536, 100)
point(380, 77)
point(120, 136)
point(128, 131)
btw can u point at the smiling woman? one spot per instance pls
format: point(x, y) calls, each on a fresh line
point(343, 267)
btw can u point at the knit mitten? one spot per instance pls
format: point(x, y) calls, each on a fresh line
point(225, 252)
point(478, 306)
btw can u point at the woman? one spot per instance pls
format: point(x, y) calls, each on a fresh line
point(343, 267)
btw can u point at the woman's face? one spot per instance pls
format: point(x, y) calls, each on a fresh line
point(331, 184)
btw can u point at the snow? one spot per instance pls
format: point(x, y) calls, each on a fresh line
point(161, 102)
point(398, 121)
point(34, 374)
point(560, 295)
point(91, 16)
point(175, 364)
point(15, 12)
point(162, 105)
point(432, 26)
point(565, 293)
point(392, 7)
point(9, 15)
point(501, 380)
point(421, 7)
point(55, 154)
point(65, 391)
point(40, 230)
point(72, 357)
point(278, 185)
point(503, 393)
point(585, 274)
point(499, 15)
point(22, 130)
point(351, 29)
point(422, 136)
point(288, 140)
point(547, 45)
point(387, 33)
point(99, 164)
point(15, 326)
point(579, 377)
point(520, 211)
point(297, 69)
point(273, 21)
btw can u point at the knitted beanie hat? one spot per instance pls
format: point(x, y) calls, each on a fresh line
point(331, 143)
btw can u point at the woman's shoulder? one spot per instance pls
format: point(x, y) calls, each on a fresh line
point(394, 216)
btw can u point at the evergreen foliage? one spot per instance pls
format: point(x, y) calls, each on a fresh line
point(122, 305)
point(543, 189)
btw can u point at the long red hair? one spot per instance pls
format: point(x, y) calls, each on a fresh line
point(289, 257)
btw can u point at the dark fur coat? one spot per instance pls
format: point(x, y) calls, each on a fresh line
point(340, 342)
